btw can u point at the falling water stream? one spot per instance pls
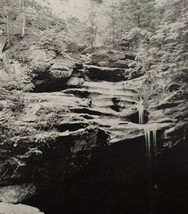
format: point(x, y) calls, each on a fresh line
point(141, 112)
point(151, 157)
point(151, 153)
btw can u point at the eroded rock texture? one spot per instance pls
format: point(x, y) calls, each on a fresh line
point(60, 134)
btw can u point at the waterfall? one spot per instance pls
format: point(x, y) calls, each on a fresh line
point(140, 108)
point(155, 142)
point(146, 142)
point(151, 156)
point(148, 146)
point(151, 143)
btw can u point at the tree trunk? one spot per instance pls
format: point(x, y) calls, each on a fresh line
point(92, 36)
point(113, 24)
point(7, 30)
point(23, 18)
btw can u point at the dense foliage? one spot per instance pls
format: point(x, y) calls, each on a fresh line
point(155, 29)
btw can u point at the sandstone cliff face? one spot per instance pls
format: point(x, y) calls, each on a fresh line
point(82, 110)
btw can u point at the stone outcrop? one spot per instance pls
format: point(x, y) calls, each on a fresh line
point(57, 74)
point(90, 109)
point(112, 65)
point(171, 108)
point(112, 58)
point(37, 66)
point(6, 208)
point(58, 133)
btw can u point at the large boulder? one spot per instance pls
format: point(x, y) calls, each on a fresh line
point(52, 77)
point(38, 66)
point(16, 193)
point(112, 65)
point(112, 58)
point(37, 158)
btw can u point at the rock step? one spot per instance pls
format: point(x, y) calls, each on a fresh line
point(106, 105)
point(95, 111)
point(131, 130)
point(103, 85)
point(94, 92)
point(117, 137)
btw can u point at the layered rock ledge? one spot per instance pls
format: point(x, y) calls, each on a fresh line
point(57, 133)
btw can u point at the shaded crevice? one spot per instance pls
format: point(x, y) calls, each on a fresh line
point(108, 74)
point(50, 85)
point(90, 112)
point(78, 93)
point(62, 127)
point(135, 117)
point(167, 105)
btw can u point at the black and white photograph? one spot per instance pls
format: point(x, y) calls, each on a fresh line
point(93, 106)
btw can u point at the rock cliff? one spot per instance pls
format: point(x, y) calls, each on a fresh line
point(75, 112)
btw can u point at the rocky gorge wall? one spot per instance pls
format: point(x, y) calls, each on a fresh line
point(78, 134)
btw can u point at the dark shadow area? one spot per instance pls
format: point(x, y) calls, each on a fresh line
point(172, 179)
point(49, 85)
point(134, 118)
point(89, 111)
point(106, 74)
point(115, 181)
point(78, 93)
point(70, 126)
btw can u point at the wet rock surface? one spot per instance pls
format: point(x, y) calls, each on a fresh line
point(67, 129)
point(80, 128)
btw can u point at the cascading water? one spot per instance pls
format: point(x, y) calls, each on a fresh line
point(155, 141)
point(141, 108)
point(141, 112)
point(151, 145)
point(148, 145)
point(151, 152)
point(151, 156)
